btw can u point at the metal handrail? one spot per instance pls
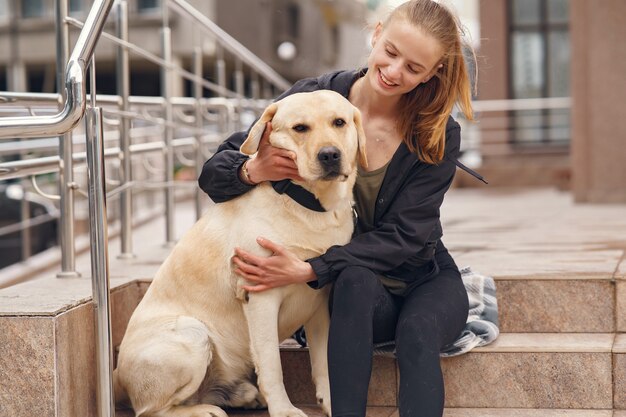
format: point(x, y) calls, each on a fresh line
point(72, 102)
point(230, 43)
point(75, 87)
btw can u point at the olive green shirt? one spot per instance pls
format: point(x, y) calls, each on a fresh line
point(366, 190)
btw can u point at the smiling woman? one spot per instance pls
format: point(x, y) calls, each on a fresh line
point(395, 280)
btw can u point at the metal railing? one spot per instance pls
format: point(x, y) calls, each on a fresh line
point(125, 129)
point(504, 127)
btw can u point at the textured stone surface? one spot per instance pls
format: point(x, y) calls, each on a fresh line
point(491, 412)
point(75, 357)
point(529, 380)
point(124, 300)
point(27, 366)
point(550, 342)
point(547, 306)
point(619, 375)
point(47, 362)
point(297, 370)
point(310, 411)
point(620, 305)
point(511, 263)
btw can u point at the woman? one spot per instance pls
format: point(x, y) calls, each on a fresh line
point(395, 279)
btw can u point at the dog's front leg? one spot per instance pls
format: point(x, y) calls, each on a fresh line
point(261, 312)
point(317, 339)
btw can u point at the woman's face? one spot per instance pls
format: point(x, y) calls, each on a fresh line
point(402, 57)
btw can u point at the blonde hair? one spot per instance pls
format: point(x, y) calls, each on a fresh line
point(425, 110)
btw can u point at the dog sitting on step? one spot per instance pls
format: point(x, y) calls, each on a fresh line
point(194, 342)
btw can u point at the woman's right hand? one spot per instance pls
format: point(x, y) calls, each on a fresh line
point(271, 163)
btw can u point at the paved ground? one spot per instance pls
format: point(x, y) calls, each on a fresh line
point(509, 234)
point(505, 233)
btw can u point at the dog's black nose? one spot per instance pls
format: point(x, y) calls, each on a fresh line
point(329, 157)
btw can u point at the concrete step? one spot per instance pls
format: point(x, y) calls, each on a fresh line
point(552, 371)
point(534, 305)
point(313, 411)
point(47, 355)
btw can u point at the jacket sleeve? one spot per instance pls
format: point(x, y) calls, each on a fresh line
point(405, 228)
point(220, 174)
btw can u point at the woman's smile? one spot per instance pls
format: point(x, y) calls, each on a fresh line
point(386, 82)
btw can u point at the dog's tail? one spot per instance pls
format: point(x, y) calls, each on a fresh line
point(120, 394)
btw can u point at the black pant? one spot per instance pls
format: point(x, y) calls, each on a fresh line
point(363, 312)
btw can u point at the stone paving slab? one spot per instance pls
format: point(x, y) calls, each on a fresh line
point(509, 412)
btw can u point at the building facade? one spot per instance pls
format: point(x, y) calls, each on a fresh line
point(556, 49)
point(525, 53)
point(296, 38)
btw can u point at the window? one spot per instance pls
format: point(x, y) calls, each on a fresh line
point(539, 58)
point(148, 5)
point(76, 6)
point(4, 10)
point(32, 8)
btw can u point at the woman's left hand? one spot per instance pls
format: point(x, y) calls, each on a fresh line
point(279, 269)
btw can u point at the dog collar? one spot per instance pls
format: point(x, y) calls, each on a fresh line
point(298, 194)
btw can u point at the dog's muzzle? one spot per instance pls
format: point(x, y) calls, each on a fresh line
point(330, 161)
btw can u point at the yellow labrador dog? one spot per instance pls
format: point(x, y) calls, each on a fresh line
point(196, 339)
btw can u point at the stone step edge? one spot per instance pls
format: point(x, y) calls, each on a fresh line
point(523, 412)
point(536, 343)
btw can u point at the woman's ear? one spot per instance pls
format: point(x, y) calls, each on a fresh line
point(251, 144)
point(432, 73)
point(377, 31)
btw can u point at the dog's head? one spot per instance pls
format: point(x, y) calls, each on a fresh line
point(322, 128)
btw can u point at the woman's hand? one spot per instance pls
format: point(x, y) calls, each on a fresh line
point(279, 269)
point(271, 163)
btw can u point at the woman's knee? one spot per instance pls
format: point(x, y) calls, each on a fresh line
point(357, 279)
point(415, 336)
point(356, 288)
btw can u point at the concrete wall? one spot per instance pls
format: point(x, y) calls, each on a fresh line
point(493, 63)
point(259, 29)
point(599, 92)
point(502, 163)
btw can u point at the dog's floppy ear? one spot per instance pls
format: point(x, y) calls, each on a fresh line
point(251, 144)
point(361, 137)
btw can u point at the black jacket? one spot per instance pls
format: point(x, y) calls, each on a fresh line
point(406, 216)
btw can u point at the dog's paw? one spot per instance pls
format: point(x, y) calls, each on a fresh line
point(324, 402)
point(206, 410)
point(288, 412)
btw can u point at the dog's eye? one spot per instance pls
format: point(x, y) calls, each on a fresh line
point(339, 122)
point(300, 128)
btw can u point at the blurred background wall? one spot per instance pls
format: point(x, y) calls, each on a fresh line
point(526, 50)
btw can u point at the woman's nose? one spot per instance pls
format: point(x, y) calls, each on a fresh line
point(394, 70)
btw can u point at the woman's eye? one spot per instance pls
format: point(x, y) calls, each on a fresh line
point(413, 70)
point(339, 122)
point(300, 128)
point(390, 53)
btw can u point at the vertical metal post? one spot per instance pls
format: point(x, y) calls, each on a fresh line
point(166, 90)
point(220, 67)
point(25, 231)
point(267, 89)
point(66, 168)
point(197, 92)
point(239, 78)
point(99, 256)
point(123, 90)
point(255, 86)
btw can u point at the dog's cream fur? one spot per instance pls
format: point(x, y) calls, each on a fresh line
point(197, 324)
